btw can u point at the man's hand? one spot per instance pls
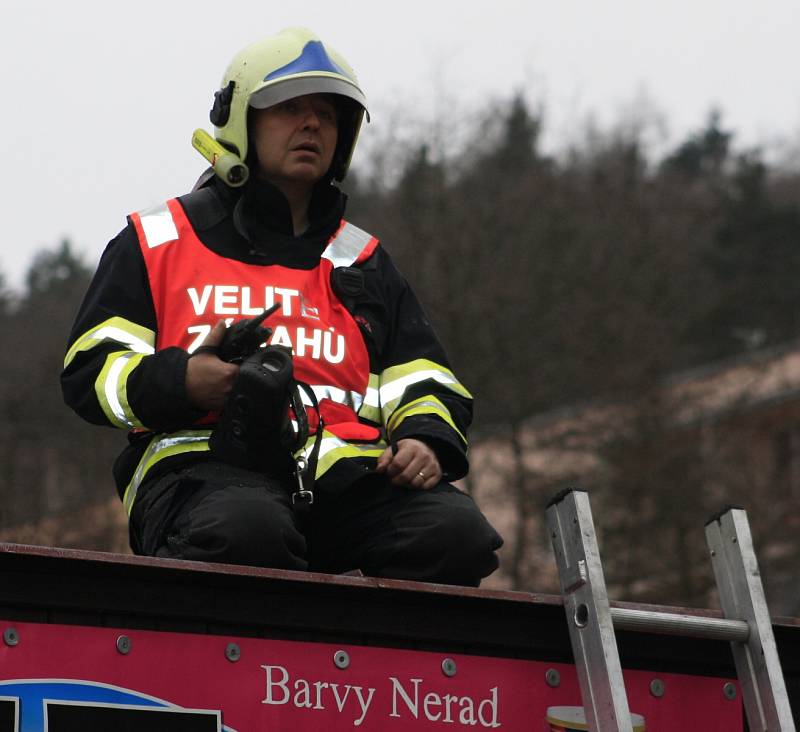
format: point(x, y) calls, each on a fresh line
point(415, 464)
point(209, 380)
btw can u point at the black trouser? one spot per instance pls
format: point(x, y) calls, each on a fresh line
point(214, 512)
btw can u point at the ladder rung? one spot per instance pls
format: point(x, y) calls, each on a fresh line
point(651, 621)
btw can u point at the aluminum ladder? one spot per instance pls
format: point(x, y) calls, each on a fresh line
point(592, 621)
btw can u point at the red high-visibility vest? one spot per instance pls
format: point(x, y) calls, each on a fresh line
point(193, 288)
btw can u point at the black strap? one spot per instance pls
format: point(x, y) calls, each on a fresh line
point(348, 284)
point(204, 207)
point(306, 475)
point(300, 416)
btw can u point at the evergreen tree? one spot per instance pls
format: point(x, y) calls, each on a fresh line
point(705, 153)
point(52, 460)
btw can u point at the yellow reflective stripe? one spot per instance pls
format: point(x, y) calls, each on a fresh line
point(160, 447)
point(112, 390)
point(116, 330)
point(396, 379)
point(332, 449)
point(371, 406)
point(423, 405)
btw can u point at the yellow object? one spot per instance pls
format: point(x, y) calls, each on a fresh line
point(226, 165)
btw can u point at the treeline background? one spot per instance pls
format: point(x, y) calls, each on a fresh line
point(591, 274)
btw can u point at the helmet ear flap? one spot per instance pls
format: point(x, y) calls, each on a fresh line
point(350, 116)
point(221, 111)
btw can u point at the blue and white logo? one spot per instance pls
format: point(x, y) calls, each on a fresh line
point(37, 704)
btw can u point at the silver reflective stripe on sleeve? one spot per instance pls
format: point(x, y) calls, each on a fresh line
point(110, 333)
point(114, 330)
point(395, 389)
point(111, 389)
point(345, 247)
point(158, 225)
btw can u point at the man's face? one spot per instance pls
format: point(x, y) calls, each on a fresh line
point(295, 140)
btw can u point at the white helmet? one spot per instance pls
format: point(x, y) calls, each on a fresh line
point(289, 64)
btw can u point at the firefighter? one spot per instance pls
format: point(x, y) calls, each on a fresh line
point(378, 433)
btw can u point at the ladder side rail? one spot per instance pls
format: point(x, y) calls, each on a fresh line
point(742, 597)
point(588, 612)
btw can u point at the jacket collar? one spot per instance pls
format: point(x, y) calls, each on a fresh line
point(262, 213)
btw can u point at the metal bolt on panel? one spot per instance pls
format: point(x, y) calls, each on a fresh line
point(124, 644)
point(232, 652)
point(10, 636)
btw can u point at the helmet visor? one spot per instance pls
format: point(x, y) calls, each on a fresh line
point(280, 91)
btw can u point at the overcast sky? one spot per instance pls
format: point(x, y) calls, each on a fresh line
point(100, 98)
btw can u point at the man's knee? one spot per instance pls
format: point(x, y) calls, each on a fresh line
point(446, 539)
point(213, 516)
point(467, 543)
point(240, 525)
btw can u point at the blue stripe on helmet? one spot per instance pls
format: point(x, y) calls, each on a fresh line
point(313, 58)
